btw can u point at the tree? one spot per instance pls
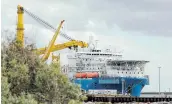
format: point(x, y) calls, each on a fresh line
point(7, 98)
point(26, 79)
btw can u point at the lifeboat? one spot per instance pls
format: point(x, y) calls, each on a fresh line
point(80, 75)
point(92, 74)
point(87, 75)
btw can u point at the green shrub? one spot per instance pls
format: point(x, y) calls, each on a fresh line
point(28, 80)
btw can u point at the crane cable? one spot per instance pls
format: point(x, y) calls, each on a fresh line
point(47, 25)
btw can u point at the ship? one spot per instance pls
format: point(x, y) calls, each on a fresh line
point(96, 70)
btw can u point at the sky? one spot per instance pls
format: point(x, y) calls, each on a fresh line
point(141, 29)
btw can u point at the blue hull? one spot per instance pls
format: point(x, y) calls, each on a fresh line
point(130, 85)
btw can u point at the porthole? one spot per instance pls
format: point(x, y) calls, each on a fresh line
point(126, 72)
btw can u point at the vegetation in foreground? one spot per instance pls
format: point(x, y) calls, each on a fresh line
point(27, 80)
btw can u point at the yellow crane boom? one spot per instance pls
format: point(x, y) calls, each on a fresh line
point(57, 47)
point(51, 44)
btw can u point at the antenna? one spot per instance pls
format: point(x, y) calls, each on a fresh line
point(96, 44)
point(90, 44)
point(90, 39)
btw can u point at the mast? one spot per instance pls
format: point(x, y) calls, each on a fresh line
point(20, 26)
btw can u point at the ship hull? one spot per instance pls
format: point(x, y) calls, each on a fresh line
point(130, 85)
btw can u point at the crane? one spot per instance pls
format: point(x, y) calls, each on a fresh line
point(57, 47)
point(20, 26)
point(51, 47)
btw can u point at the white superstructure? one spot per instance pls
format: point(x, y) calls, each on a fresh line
point(105, 62)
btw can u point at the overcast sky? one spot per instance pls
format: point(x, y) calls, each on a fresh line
point(142, 28)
